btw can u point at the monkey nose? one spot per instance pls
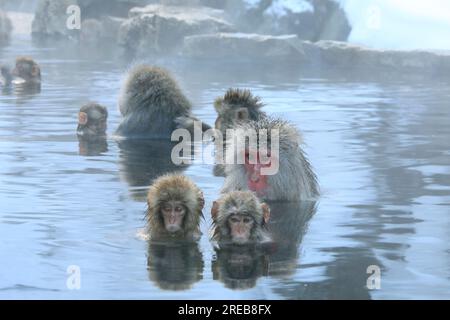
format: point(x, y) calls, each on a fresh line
point(172, 219)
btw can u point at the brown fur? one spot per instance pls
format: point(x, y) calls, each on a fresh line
point(97, 116)
point(27, 69)
point(153, 105)
point(244, 202)
point(233, 103)
point(173, 187)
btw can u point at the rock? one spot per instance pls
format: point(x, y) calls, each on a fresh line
point(5, 28)
point(105, 29)
point(21, 22)
point(50, 20)
point(93, 9)
point(238, 46)
point(309, 19)
point(156, 29)
point(362, 60)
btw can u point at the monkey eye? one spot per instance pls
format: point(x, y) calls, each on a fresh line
point(178, 209)
point(167, 208)
point(234, 219)
point(247, 220)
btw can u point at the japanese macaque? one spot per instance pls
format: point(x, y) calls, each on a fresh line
point(174, 266)
point(272, 164)
point(235, 106)
point(27, 72)
point(153, 106)
point(91, 130)
point(239, 218)
point(175, 207)
point(92, 121)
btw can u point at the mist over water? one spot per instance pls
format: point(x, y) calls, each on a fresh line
point(379, 148)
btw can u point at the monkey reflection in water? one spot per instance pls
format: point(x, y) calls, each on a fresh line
point(174, 212)
point(174, 266)
point(288, 224)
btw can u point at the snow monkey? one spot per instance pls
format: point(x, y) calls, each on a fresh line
point(175, 207)
point(153, 106)
point(27, 72)
point(239, 218)
point(92, 121)
point(237, 105)
point(273, 165)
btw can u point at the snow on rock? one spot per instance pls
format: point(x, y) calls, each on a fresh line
point(399, 24)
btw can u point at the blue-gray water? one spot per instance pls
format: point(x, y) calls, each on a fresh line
point(381, 152)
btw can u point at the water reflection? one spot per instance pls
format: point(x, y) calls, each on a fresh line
point(239, 267)
point(92, 146)
point(287, 226)
point(141, 161)
point(174, 266)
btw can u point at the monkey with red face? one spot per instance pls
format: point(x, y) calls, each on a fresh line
point(275, 166)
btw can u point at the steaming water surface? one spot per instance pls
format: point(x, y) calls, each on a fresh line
point(381, 152)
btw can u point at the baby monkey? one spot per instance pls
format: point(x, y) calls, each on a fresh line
point(26, 72)
point(92, 119)
point(175, 207)
point(240, 218)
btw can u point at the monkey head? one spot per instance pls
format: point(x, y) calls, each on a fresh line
point(27, 71)
point(273, 165)
point(175, 206)
point(239, 218)
point(235, 106)
point(92, 119)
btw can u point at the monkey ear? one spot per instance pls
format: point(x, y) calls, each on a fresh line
point(201, 201)
point(215, 210)
point(241, 114)
point(266, 212)
point(82, 118)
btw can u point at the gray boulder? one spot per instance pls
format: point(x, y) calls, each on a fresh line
point(309, 19)
point(50, 20)
point(238, 46)
point(93, 9)
point(156, 29)
point(104, 29)
point(367, 61)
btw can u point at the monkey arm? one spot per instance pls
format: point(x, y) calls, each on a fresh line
point(189, 122)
